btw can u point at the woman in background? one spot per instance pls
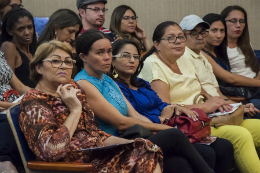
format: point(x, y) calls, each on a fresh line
point(7, 5)
point(242, 59)
point(64, 25)
point(19, 42)
point(124, 25)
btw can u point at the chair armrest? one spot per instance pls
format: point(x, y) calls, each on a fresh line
point(61, 166)
point(237, 99)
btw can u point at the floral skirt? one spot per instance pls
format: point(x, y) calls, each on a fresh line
point(141, 156)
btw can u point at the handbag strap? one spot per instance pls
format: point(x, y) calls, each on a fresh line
point(205, 98)
point(8, 93)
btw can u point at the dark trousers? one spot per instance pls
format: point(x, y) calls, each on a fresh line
point(179, 154)
point(8, 147)
point(219, 155)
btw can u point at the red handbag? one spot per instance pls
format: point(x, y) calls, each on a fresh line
point(195, 130)
point(8, 93)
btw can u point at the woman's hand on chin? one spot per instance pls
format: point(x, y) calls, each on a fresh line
point(68, 95)
point(140, 33)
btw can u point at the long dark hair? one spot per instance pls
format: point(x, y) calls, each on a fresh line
point(158, 34)
point(10, 19)
point(60, 19)
point(117, 46)
point(115, 24)
point(243, 41)
point(84, 44)
point(221, 50)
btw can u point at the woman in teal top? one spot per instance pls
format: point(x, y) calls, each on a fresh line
point(110, 91)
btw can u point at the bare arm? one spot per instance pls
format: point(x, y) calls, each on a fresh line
point(231, 78)
point(10, 53)
point(18, 85)
point(258, 76)
point(140, 33)
point(224, 97)
point(115, 140)
point(110, 114)
point(162, 90)
point(5, 105)
point(147, 44)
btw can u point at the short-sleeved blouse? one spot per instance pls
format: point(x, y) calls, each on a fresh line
point(110, 91)
point(182, 88)
point(144, 100)
point(6, 75)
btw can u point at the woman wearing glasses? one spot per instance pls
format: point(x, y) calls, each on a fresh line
point(242, 59)
point(19, 42)
point(7, 5)
point(124, 25)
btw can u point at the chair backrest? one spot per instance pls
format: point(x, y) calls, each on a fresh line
point(13, 119)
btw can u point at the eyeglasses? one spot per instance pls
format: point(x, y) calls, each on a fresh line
point(173, 39)
point(128, 18)
point(16, 5)
point(234, 21)
point(57, 63)
point(96, 9)
point(128, 56)
point(196, 34)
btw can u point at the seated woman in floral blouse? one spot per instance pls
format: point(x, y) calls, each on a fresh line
point(57, 121)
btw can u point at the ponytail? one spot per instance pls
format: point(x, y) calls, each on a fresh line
point(150, 52)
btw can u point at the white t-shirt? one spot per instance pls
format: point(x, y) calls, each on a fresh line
point(237, 63)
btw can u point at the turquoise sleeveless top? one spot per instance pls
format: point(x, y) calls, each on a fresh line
point(110, 91)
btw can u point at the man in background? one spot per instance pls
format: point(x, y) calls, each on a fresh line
point(92, 14)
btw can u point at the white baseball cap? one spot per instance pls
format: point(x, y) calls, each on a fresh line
point(191, 21)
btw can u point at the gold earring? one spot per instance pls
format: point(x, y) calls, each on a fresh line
point(114, 73)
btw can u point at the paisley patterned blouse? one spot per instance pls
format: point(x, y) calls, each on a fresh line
point(6, 75)
point(41, 120)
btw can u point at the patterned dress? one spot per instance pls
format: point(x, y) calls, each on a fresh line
point(41, 120)
point(6, 75)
